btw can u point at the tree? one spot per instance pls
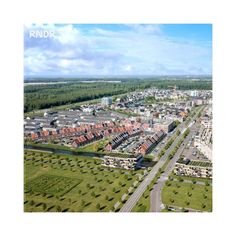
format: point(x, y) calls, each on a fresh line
point(172, 200)
point(174, 191)
point(187, 203)
point(184, 210)
point(98, 206)
point(168, 183)
point(180, 179)
point(58, 208)
point(44, 206)
point(31, 202)
point(166, 207)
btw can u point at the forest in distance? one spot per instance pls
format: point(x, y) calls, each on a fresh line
point(43, 96)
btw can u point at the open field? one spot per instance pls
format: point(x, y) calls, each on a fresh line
point(63, 183)
point(187, 195)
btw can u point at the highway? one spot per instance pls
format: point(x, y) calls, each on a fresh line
point(131, 202)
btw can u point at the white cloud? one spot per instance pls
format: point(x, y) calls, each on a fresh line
point(142, 49)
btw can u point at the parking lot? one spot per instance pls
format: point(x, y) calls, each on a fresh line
point(192, 152)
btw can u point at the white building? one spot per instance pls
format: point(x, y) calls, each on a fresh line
point(194, 93)
point(106, 101)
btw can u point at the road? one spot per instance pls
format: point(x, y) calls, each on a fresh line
point(131, 202)
point(155, 195)
point(127, 207)
point(156, 203)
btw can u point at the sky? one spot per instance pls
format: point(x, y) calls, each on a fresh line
point(117, 49)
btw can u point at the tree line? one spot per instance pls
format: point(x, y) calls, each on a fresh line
point(50, 95)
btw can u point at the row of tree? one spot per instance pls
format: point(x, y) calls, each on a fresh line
point(49, 95)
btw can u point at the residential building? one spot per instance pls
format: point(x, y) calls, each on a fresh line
point(130, 162)
point(106, 101)
point(165, 125)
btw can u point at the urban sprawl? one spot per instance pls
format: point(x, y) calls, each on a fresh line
point(134, 132)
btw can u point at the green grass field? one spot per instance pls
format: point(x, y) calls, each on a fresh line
point(188, 195)
point(143, 204)
point(191, 178)
point(63, 183)
point(97, 146)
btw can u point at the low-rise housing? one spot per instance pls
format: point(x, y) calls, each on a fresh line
point(150, 142)
point(115, 142)
point(128, 162)
point(165, 125)
point(198, 169)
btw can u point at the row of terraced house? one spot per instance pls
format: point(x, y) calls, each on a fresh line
point(84, 139)
point(151, 142)
point(115, 142)
point(71, 131)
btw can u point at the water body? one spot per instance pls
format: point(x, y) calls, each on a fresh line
point(44, 83)
point(65, 82)
point(67, 152)
point(100, 81)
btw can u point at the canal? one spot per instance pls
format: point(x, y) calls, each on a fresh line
point(65, 152)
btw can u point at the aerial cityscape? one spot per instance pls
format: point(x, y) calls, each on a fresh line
point(118, 118)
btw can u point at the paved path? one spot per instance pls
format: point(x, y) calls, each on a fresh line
point(190, 181)
point(179, 209)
